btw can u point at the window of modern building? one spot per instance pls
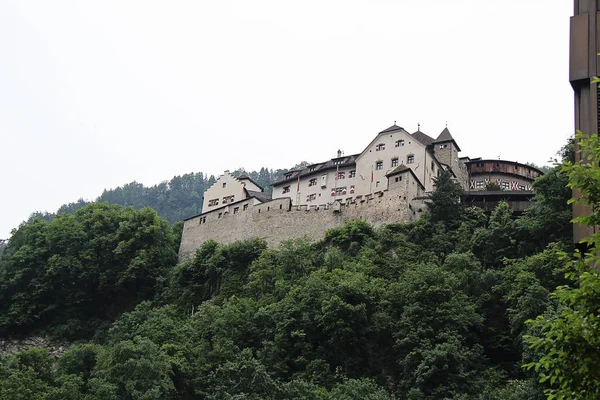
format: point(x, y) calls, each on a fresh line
point(394, 162)
point(380, 147)
point(236, 210)
point(352, 174)
point(312, 182)
point(410, 159)
point(341, 175)
point(379, 165)
point(399, 143)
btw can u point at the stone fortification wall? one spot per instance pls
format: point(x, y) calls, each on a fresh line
point(278, 220)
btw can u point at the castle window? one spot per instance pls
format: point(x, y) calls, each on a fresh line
point(311, 197)
point(224, 184)
point(410, 159)
point(352, 174)
point(236, 210)
point(479, 184)
point(220, 214)
point(286, 189)
point(245, 207)
point(312, 182)
point(443, 146)
point(379, 165)
point(432, 166)
point(377, 184)
point(341, 175)
point(399, 143)
point(394, 162)
point(340, 191)
point(213, 202)
point(380, 147)
point(398, 179)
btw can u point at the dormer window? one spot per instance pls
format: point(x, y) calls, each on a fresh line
point(337, 162)
point(311, 169)
point(288, 176)
point(380, 147)
point(399, 143)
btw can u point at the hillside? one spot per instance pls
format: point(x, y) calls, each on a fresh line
point(428, 310)
point(174, 200)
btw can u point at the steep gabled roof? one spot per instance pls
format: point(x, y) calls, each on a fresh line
point(397, 170)
point(422, 138)
point(446, 136)
point(391, 129)
point(400, 169)
point(261, 196)
point(245, 176)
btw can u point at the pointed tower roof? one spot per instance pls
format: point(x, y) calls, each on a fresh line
point(391, 129)
point(446, 136)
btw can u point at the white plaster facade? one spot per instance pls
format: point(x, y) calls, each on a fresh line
point(228, 190)
point(366, 173)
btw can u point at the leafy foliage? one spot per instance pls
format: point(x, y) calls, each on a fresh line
point(434, 309)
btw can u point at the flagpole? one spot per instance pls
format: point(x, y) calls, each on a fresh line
point(371, 184)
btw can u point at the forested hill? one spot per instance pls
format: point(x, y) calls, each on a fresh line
point(173, 200)
point(429, 310)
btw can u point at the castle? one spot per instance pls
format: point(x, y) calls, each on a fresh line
point(387, 182)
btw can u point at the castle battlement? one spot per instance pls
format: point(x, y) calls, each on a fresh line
point(278, 220)
point(385, 183)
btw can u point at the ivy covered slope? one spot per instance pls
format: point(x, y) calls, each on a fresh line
point(434, 309)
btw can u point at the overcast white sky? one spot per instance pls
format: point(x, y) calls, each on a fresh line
point(97, 94)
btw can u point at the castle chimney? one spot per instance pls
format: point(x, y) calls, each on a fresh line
point(339, 153)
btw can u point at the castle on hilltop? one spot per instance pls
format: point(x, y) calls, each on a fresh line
point(387, 182)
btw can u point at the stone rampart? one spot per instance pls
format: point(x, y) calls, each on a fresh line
point(278, 220)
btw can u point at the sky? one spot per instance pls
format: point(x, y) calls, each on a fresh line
point(94, 95)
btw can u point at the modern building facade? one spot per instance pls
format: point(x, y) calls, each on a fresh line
point(583, 66)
